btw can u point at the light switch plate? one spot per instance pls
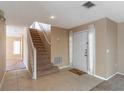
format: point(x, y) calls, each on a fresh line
point(107, 51)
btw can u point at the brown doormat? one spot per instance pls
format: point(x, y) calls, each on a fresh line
point(76, 71)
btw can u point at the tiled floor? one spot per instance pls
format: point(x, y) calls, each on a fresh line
point(116, 83)
point(63, 80)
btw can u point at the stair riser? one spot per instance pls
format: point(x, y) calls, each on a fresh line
point(43, 64)
point(37, 40)
point(40, 46)
point(42, 53)
point(44, 67)
point(41, 50)
point(42, 61)
point(46, 57)
point(38, 43)
point(35, 37)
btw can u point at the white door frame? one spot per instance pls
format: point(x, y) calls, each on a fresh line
point(71, 51)
point(92, 49)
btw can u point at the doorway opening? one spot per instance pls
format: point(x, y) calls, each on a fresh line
point(14, 50)
point(82, 50)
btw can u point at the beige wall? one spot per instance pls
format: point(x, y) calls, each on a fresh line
point(111, 61)
point(105, 33)
point(2, 49)
point(59, 45)
point(121, 47)
point(9, 48)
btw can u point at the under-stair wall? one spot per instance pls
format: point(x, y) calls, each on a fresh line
point(31, 56)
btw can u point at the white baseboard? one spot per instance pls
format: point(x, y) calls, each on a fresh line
point(111, 76)
point(102, 78)
point(120, 73)
point(108, 77)
point(62, 67)
point(1, 83)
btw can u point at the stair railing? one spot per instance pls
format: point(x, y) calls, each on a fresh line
point(38, 26)
point(32, 57)
point(45, 34)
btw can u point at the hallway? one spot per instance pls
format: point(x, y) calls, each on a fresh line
point(14, 65)
point(63, 80)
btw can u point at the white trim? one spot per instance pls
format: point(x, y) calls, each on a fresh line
point(28, 70)
point(111, 76)
point(108, 77)
point(35, 65)
point(102, 78)
point(30, 73)
point(70, 46)
point(62, 67)
point(91, 29)
point(120, 73)
point(1, 83)
point(25, 65)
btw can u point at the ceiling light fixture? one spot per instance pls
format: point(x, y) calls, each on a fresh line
point(52, 17)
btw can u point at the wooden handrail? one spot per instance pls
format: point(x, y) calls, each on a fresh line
point(35, 24)
point(45, 34)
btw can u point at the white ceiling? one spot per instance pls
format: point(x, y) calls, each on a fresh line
point(67, 14)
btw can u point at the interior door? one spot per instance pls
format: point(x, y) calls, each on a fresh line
point(80, 41)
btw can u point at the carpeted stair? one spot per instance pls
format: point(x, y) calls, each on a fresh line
point(44, 66)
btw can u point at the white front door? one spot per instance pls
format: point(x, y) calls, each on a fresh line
point(80, 45)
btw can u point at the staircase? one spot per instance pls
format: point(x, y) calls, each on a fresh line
point(44, 66)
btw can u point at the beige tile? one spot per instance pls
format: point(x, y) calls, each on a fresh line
point(63, 80)
point(115, 83)
point(10, 85)
point(10, 75)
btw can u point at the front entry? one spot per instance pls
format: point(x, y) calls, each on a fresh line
point(80, 46)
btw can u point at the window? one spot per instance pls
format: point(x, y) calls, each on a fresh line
point(16, 46)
